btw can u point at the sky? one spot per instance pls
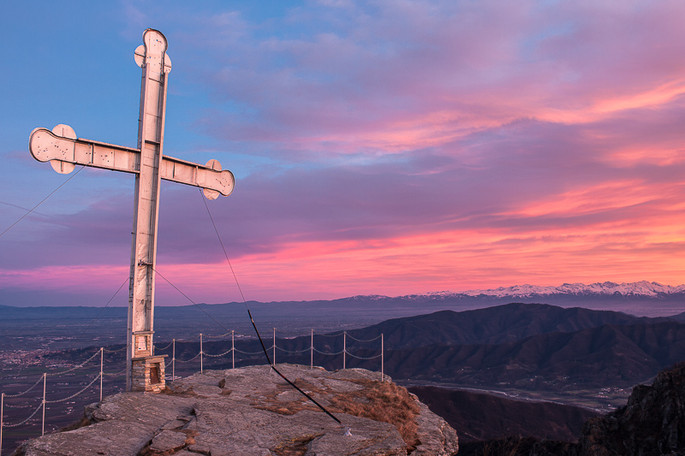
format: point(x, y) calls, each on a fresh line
point(385, 147)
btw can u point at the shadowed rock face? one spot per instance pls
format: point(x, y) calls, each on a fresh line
point(480, 416)
point(252, 411)
point(651, 423)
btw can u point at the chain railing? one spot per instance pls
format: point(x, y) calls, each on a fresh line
point(43, 378)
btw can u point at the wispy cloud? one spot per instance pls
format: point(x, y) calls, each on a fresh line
point(396, 147)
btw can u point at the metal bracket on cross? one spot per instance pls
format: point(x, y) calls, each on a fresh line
point(64, 150)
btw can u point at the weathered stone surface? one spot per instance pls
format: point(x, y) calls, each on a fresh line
point(252, 411)
point(168, 442)
point(436, 436)
point(122, 424)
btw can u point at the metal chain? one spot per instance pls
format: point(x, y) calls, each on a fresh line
point(219, 355)
point(187, 360)
point(330, 354)
point(169, 364)
point(248, 353)
point(207, 336)
point(330, 335)
point(75, 394)
point(23, 422)
point(76, 367)
point(115, 373)
point(293, 352)
point(30, 388)
point(363, 340)
point(363, 357)
point(164, 348)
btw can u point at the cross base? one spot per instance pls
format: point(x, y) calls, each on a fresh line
point(148, 374)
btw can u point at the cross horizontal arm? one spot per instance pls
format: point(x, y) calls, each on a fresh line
point(209, 177)
point(65, 150)
point(45, 145)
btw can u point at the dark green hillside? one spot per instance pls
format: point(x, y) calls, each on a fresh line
point(595, 357)
point(492, 325)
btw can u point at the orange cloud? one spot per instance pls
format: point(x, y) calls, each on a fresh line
point(588, 200)
point(594, 110)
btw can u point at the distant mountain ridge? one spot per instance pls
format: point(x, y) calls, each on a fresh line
point(492, 325)
point(529, 345)
point(643, 298)
point(641, 288)
point(592, 358)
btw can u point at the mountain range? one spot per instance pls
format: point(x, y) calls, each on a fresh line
point(638, 298)
point(641, 288)
point(572, 355)
point(492, 325)
point(540, 350)
point(527, 346)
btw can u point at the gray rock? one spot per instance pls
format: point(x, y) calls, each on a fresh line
point(251, 411)
point(168, 442)
point(436, 436)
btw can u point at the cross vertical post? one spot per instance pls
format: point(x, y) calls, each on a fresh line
point(152, 58)
point(64, 150)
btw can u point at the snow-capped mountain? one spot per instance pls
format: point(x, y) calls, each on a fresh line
point(642, 288)
point(650, 299)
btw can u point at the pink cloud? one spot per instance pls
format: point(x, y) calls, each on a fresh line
point(407, 146)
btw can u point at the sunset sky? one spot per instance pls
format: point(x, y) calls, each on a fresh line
point(380, 147)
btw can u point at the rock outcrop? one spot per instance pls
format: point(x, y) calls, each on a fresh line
point(651, 423)
point(252, 411)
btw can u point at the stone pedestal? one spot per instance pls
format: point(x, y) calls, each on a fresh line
point(148, 374)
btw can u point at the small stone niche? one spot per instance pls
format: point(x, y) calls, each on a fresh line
point(148, 374)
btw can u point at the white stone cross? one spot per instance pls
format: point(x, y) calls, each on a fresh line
point(64, 150)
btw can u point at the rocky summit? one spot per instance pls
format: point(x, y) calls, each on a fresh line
point(253, 411)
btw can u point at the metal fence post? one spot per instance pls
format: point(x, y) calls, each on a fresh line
point(173, 359)
point(45, 380)
point(382, 360)
point(2, 417)
point(233, 348)
point(201, 364)
point(274, 355)
point(344, 349)
point(311, 352)
point(102, 358)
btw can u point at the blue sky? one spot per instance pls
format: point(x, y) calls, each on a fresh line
point(383, 147)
